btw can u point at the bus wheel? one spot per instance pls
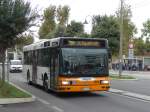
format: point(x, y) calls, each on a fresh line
point(45, 85)
point(28, 77)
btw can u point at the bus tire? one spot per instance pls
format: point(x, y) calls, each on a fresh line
point(28, 77)
point(45, 83)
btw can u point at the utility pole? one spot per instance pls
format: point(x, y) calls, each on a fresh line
point(121, 38)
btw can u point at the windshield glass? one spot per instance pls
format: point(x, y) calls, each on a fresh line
point(85, 62)
point(15, 62)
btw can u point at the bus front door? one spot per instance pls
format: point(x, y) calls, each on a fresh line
point(52, 73)
point(34, 67)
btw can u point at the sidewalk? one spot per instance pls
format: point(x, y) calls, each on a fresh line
point(136, 74)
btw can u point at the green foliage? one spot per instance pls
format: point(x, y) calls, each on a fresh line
point(24, 40)
point(9, 91)
point(107, 27)
point(49, 28)
point(49, 21)
point(123, 77)
point(58, 32)
point(15, 17)
point(146, 34)
point(63, 15)
point(147, 45)
point(139, 46)
point(74, 29)
point(146, 29)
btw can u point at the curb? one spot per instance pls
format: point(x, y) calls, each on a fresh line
point(130, 94)
point(111, 74)
point(17, 100)
point(125, 79)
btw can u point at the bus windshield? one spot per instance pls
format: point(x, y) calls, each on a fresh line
point(84, 62)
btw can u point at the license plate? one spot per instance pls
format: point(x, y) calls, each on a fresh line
point(86, 78)
point(86, 89)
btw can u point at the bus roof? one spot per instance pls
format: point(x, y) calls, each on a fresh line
point(44, 43)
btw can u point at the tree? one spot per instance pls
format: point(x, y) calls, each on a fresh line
point(58, 32)
point(129, 28)
point(146, 29)
point(74, 29)
point(139, 46)
point(146, 34)
point(49, 28)
point(63, 15)
point(16, 16)
point(49, 21)
point(107, 27)
point(24, 40)
point(147, 45)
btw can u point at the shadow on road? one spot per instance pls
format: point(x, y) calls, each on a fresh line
point(72, 95)
point(80, 94)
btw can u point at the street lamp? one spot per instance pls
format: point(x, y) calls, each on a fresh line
point(86, 21)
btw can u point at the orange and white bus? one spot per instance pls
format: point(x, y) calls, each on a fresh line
point(68, 64)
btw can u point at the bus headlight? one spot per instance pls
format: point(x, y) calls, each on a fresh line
point(65, 82)
point(104, 82)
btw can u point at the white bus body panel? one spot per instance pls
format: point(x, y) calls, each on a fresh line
point(40, 71)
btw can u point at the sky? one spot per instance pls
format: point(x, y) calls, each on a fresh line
point(85, 9)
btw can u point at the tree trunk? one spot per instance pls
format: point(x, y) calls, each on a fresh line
point(2, 57)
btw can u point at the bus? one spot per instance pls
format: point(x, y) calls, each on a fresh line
point(68, 64)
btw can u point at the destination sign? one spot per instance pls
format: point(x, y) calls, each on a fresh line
point(84, 43)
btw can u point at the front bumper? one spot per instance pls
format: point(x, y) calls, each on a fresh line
point(89, 88)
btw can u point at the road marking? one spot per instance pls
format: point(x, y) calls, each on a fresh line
point(43, 101)
point(47, 103)
point(130, 95)
point(57, 109)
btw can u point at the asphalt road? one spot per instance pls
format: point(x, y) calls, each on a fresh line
point(141, 85)
point(79, 102)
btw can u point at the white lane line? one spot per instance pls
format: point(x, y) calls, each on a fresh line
point(57, 109)
point(128, 94)
point(129, 97)
point(43, 101)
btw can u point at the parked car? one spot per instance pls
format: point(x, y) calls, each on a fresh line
point(15, 66)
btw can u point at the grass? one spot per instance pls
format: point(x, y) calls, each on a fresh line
point(114, 76)
point(9, 91)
